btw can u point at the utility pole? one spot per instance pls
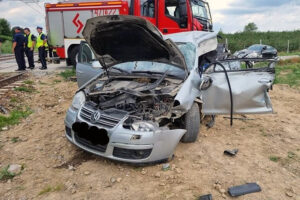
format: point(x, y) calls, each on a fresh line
point(288, 47)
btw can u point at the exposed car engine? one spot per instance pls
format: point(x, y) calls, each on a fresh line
point(142, 98)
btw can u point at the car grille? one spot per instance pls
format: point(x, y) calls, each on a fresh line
point(108, 119)
point(131, 153)
point(87, 143)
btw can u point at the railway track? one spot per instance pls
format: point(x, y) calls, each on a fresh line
point(10, 56)
point(6, 81)
point(7, 57)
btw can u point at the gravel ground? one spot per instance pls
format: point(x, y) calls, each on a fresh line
point(269, 152)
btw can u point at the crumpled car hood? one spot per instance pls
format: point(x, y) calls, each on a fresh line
point(117, 39)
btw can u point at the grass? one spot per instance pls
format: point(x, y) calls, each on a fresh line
point(15, 139)
point(25, 89)
point(5, 174)
point(6, 47)
point(67, 73)
point(289, 54)
point(288, 73)
point(14, 117)
point(28, 82)
point(14, 100)
point(274, 158)
point(49, 188)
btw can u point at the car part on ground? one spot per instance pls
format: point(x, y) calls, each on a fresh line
point(244, 189)
point(232, 152)
point(206, 197)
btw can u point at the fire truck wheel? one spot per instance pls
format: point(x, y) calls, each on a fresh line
point(74, 55)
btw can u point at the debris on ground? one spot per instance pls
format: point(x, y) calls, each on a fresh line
point(244, 189)
point(232, 152)
point(206, 197)
point(165, 166)
point(14, 168)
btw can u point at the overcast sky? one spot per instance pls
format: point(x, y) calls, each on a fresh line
point(229, 15)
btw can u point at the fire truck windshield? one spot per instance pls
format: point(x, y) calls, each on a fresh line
point(200, 9)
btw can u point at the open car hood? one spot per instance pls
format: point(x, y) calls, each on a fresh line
point(118, 38)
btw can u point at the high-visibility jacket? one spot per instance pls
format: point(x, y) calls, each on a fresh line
point(40, 42)
point(29, 42)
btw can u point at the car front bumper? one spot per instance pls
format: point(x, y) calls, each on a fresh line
point(123, 146)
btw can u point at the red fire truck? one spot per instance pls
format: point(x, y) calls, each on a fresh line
point(65, 20)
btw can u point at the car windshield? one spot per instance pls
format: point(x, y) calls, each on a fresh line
point(187, 49)
point(200, 9)
point(255, 47)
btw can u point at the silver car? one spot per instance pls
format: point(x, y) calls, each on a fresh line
point(140, 93)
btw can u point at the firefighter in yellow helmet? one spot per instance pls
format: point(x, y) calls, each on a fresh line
point(41, 44)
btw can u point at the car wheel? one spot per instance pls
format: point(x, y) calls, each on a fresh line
point(191, 124)
point(74, 56)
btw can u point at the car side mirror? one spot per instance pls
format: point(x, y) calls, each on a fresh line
point(96, 64)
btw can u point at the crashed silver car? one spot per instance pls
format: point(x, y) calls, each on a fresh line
point(140, 93)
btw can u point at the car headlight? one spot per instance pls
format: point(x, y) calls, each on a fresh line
point(78, 100)
point(143, 126)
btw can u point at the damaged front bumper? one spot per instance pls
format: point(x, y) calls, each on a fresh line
point(124, 144)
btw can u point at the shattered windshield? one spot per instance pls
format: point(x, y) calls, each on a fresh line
point(200, 9)
point(187, 49)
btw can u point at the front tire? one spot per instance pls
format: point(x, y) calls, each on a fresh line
point(191, 124)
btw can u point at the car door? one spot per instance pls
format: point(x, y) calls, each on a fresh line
point(249, 89)
point(87, 66)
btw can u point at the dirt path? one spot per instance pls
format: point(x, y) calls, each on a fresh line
point(55, 169)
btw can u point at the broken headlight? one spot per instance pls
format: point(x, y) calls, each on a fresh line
point(78, 100)
point(142, 126)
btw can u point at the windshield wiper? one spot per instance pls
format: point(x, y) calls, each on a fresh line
point(152, 72)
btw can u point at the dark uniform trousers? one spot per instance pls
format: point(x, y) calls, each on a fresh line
point(42, 55)
point(29, 55)
point(19, 53)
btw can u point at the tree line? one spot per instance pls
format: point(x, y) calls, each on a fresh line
point(250, 35)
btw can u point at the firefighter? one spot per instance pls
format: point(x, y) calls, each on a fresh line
point(29, 47)
point(41, 43)
point(18, 48)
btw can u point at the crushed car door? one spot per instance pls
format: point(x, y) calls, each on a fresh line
point(87, 66)
point(249, 89)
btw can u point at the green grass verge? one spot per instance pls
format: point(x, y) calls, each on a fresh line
point(14, 117)
point(6, 47)
point(289, 54)
point(68, 73)
point(288, 74)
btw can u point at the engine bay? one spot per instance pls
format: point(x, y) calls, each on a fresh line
point(150, 99)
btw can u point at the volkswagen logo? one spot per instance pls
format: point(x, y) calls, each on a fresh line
point(95, 116)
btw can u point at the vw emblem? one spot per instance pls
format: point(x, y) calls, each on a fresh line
point(95, 116)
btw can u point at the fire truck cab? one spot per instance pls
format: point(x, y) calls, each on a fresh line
point(65, 20)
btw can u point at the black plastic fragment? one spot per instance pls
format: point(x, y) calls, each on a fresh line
point(243, 189)
point(232, 152)
point(205, 197)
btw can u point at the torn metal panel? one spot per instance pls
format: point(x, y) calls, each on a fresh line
point(249, 91)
